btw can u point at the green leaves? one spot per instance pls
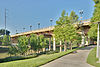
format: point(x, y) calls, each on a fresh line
point(92, 33)
point(33, 42)
point(6, 40)
point(22, 44)
point(96, 17)
point(42, 41)
point(64, 30)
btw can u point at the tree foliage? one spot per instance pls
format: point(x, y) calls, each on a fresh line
point(96, 17)
point(6, 40)
point(22, 44)
point(13, 50)
point(2, 32)
point(64, 29)
point(33, 42)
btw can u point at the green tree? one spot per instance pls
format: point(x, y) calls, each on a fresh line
point(2, 32)
point(64, 29)
point(73, 17)
point(96, 17)
point(22, 45)
point(71, 33)
point(13, 50)
point(33, 42)
point(6, 40)
point(43, 42)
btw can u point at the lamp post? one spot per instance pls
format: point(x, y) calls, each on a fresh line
point(39, 25)
point(5, 21)
point(82, 28)
point(16, 31)
point(30, 27)
point(98, 41)
point(23, 29)
point(81, 13)
point(51, 21)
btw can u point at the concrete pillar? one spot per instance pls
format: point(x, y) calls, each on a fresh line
point(54, 44)
point(87, 43)
point(49, 44)
point(44, 49)
point(60, 46)
point(83, 38)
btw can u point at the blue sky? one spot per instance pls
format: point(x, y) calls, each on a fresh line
point(23, 13)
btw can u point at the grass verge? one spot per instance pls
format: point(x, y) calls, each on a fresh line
point(35, 62)
point(92, 58)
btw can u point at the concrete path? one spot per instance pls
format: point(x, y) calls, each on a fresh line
point(72, 60)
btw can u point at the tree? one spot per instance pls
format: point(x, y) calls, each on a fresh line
point(64, 29)
point(13, 50)
point(43, 42)
point(22, 45)
point(73, 17)
point(6, 40)
point(33, 42)
point(2, 32)
point(92, 33)
point(96, 17)
point(71, 34)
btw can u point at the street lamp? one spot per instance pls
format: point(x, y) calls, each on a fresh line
point(82, 28)
point(98, 41)
point(23, 29)
point(30, 27)
point(16, 31)
point(51, 21)
point(39, 25)
point(5, 21)
point(81, 13)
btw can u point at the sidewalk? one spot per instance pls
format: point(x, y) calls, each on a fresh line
point(72, 60)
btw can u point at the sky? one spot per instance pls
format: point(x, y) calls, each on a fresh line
point(23, 13)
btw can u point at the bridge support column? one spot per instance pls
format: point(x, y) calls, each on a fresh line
point(49, 43)
point(83, 38)
point(87, 43)
point(54, 44)
point(60, 46)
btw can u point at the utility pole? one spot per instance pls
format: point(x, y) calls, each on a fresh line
point(5, 21)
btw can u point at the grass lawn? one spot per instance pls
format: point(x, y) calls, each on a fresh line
point(92, 58)
point(3, 52)
point(35, 62)
point(3, 55)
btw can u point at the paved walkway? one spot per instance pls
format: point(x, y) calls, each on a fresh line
point(72, 60)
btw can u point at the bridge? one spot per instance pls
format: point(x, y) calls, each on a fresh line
point(47, 32)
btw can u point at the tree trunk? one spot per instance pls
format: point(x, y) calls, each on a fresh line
point(70, 45)
point(65, 46)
